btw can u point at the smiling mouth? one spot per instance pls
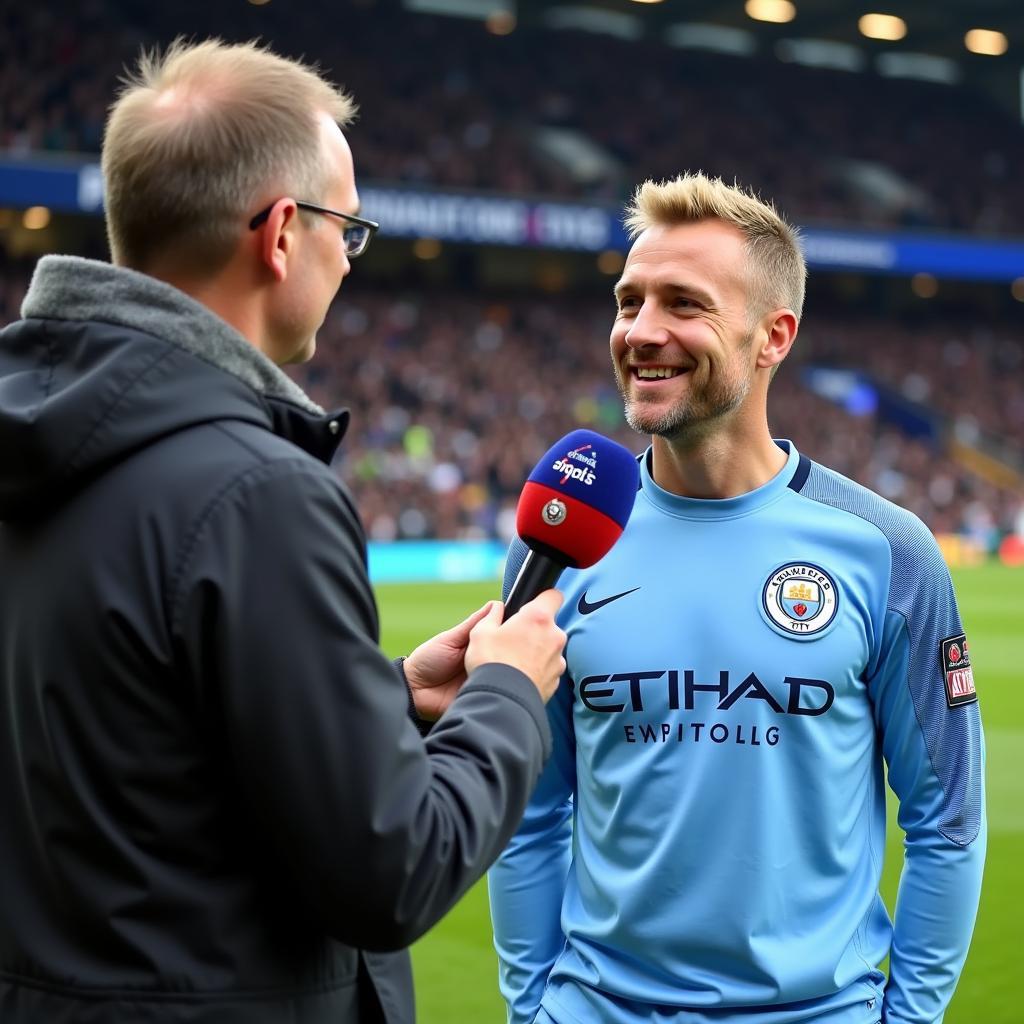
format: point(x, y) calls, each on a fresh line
point(655, 372)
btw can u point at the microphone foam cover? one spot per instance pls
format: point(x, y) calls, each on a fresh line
point(595, 480)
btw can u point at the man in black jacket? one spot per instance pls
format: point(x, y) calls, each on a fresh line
point(215, 806)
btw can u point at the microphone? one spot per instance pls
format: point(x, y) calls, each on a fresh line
point(573, 508)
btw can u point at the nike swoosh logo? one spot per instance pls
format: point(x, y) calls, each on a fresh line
point(585, 607)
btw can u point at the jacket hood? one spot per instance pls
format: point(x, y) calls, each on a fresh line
point(108, 360)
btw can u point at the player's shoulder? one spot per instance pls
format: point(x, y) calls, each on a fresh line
point(906, 536)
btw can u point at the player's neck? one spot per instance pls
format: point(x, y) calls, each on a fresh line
point(720, 465)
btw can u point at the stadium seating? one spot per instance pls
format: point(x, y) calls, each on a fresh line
point(462, 395)
point(474, 120)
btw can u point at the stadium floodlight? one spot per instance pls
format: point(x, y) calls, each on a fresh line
point(426, 248)
point(882, 26)
point(986, 41)
point(35, 218)
point(500, 23)
point(777, 11)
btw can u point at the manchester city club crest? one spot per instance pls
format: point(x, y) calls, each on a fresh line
point(800, 600)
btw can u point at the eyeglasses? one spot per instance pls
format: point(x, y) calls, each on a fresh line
point(357, 231)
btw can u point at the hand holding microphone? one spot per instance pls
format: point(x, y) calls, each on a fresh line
point(573, 508)
point(531, 642)
point(436, 670)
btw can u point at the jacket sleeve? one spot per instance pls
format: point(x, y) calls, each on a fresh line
point(935, 757)
point(527, 884)
point(274, 615)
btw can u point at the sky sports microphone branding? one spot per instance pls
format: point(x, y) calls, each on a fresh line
point(570, 512)
point(578, 464)
point(677, 705)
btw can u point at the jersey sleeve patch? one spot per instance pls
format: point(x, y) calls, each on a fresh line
point(956, 670)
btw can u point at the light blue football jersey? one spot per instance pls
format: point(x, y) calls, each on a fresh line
point(706, 843)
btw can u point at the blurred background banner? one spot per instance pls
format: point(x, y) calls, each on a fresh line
point(497, 143)
point(408, 561)
point(74, 185)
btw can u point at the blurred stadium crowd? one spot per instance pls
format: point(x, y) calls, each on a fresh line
point(455, 399)
point(454, 396)
point(511, 113)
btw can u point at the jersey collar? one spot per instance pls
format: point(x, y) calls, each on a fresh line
point(721, 508)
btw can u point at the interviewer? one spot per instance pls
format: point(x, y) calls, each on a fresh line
point(215, 805)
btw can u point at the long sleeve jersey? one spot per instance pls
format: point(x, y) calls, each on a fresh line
point(706, 843)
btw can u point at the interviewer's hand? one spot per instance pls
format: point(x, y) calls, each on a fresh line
point(529, 641)
point(435, 671)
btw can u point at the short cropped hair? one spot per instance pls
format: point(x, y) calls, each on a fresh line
point(777, 265)
point(198, 135)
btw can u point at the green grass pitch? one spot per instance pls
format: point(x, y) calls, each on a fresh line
point(455, 964)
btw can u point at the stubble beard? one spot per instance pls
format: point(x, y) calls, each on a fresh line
point(697, 412)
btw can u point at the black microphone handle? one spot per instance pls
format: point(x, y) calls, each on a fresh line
point(539, 573)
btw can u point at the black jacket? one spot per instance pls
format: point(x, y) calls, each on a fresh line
point(211, 795)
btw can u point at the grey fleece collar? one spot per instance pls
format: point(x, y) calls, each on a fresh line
point(72, 288)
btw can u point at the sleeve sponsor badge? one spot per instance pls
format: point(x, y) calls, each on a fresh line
point(956, 670)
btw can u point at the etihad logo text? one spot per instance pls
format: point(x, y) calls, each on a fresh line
point(674, 689)
point(664, 690)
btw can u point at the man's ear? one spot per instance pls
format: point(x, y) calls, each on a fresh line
point(277, 238)
point(780, 329)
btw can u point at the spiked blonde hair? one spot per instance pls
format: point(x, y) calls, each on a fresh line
point(777, 267)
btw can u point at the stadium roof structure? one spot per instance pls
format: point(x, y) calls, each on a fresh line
point(975, 42)
point(937, 28)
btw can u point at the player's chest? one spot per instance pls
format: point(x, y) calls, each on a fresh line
point(741, 635)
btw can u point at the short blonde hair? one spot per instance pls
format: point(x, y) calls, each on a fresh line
point(778, 268)
point(197, 136)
